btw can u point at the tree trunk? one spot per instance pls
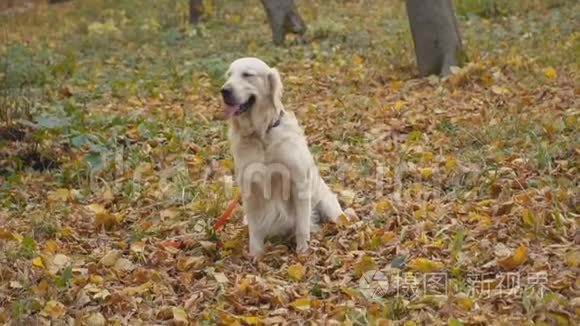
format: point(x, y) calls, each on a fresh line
point(283, 18)
point(436, 37)
point(195, 10)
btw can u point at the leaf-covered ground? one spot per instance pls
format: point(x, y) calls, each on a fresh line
point(116, 165)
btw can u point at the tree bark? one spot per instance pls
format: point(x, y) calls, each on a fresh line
point(283, 18)
point(435, 35)
point(195, 10)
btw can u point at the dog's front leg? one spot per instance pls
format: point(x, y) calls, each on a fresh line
point(257, 238)
point(303, 210)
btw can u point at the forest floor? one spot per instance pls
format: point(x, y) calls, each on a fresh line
point(114, 164)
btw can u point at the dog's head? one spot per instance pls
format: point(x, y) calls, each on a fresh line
point(252, 93)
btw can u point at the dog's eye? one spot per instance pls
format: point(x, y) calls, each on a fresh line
point(247, 75)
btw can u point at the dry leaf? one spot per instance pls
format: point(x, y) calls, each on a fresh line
point(124, 265)
point(61, 195)
point(424, 265)
point(37, 262)
point(365, 264)
point(550, 73)
point(220, 277)
point(179, 316)
point(301, 304)
point(53, 309)
point(96, 319)
point(296, 272)
point(110, 258)
point(516, 259)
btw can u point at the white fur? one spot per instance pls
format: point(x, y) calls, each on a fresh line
point(282, 191)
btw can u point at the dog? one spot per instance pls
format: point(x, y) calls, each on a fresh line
point(281, 189)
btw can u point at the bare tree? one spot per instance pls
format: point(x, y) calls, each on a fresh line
point(195, 10)
point(283, 18)
point(435, 34)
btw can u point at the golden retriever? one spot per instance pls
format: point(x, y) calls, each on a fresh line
point(282, 191)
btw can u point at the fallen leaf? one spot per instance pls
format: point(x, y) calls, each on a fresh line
point(110, 258)
point(365, 264)
point(95, 319)
point(426, 172)
point(424, 265)
point(296, 271)
point(58, 262)
point(102, 217)
point(550, 73)
point(179, 316)
point(251, 320)
point(137, 247)
point(498, 90)
point(220, 277)
point(124, 265)
point(60, 195)
point(516, 259)
point(301, 304)
point(53, 309)
point(37, 262)
point(187, 263)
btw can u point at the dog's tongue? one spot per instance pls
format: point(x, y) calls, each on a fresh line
point(229, 110)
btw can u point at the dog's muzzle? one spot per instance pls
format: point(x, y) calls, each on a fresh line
point(232, 107)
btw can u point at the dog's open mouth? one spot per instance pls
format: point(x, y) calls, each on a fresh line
point(237, 109)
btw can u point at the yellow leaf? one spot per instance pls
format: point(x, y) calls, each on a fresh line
point(37, 262)
point(528, 217)
point(301, 304)
point(53, 309)
point(60, 194)
point(51, 246)
point(572, 258)
point(450, 164)
point(357, 60)
point(296, 272)
point(342, 220)
point(516, 259)
point(102, 217)
point(365, 264)
point(251, 320)
point(137, 290)
point(426, 172)
point(424, 265)
point(550, 73)
point(498, 90)
point(398, 105)
point(6, 235)
point(179, 315)
point(382, 206)
point(396, 85)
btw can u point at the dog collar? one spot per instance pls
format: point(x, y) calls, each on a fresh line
point(276, 123)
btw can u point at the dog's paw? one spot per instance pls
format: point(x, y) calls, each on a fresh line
point(301, 246)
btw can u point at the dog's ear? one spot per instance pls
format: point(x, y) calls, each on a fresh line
point(275, 89)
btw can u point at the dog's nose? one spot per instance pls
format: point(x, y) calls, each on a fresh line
point(227, 94)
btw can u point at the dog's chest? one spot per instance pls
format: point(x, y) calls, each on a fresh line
point(259, 172)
